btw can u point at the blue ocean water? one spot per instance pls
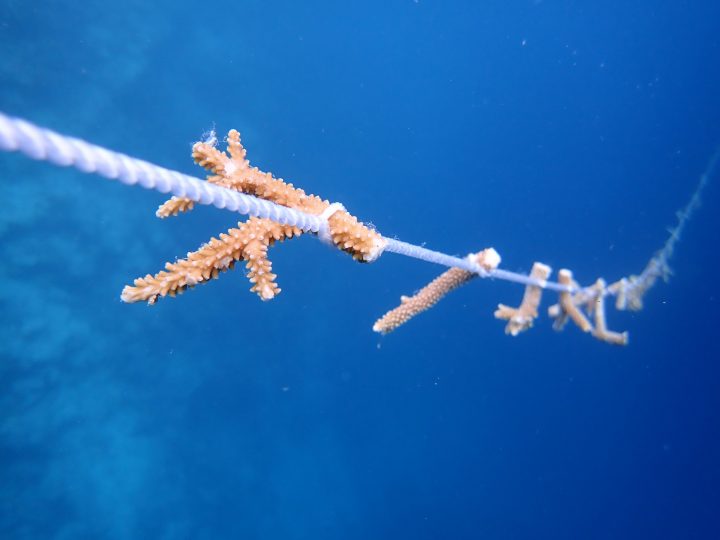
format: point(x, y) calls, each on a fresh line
point(560, 131)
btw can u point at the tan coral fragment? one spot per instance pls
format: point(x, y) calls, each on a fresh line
point(567, 307)
point(235, 172)
point(620, 289)
point(522, 318)
point(248, 242)
point(601, 331)
point(592, 299)
point(174, 206)
point(210, 158)
point(351, 236)
point(433, 292)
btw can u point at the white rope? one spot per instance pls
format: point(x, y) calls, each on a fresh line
point(418, 252)
point(17, 135)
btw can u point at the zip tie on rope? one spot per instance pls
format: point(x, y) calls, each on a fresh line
point(324, 231)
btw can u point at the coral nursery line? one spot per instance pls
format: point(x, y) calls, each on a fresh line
point(280, 211)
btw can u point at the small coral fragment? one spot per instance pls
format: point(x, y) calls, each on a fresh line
point(174, 206)
point(521, 318)
point(601, 331)
point(427, 297)
point(351, 236)
point(567, 307)
point(433, 292)
point(592, 301)
point(619, 289)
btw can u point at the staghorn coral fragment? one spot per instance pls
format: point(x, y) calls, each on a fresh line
point(521, 318)
point(260, 270)
point(567, 307)
point(174, 206)
point(346, 232)
point(620, 289)
point(233, 171)
point(433, 292)
point(592, 300)
point(249, 242)
point(601, 331)
point(252, 239)
point(351, 236)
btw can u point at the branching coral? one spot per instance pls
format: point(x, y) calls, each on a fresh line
point(598, 309)
point(433, 292)
point(590, 300)
point(521, 318)
point(251, 240)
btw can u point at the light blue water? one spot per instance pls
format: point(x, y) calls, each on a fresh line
point(556, 131)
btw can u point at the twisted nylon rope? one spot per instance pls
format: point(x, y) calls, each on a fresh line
point(417, 252)
point(42, 144)
point(17, 135)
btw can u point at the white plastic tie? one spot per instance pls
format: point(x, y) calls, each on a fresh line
point(324, 230)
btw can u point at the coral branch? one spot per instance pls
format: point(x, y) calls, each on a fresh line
point(601, 331)
point(433, 292)
point(620, 289)
point(252, 239)
point(590, 299)
point(249, 242)
point(521, 318)
point(174, 206)
point(567, 307)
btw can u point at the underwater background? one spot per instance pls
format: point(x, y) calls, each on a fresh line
point(560, 131)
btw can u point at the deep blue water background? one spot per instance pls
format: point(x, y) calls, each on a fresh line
point(566, 132)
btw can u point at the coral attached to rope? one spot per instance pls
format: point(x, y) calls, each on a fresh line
point(251, 240)
point(575, 303)
point(280, 211)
